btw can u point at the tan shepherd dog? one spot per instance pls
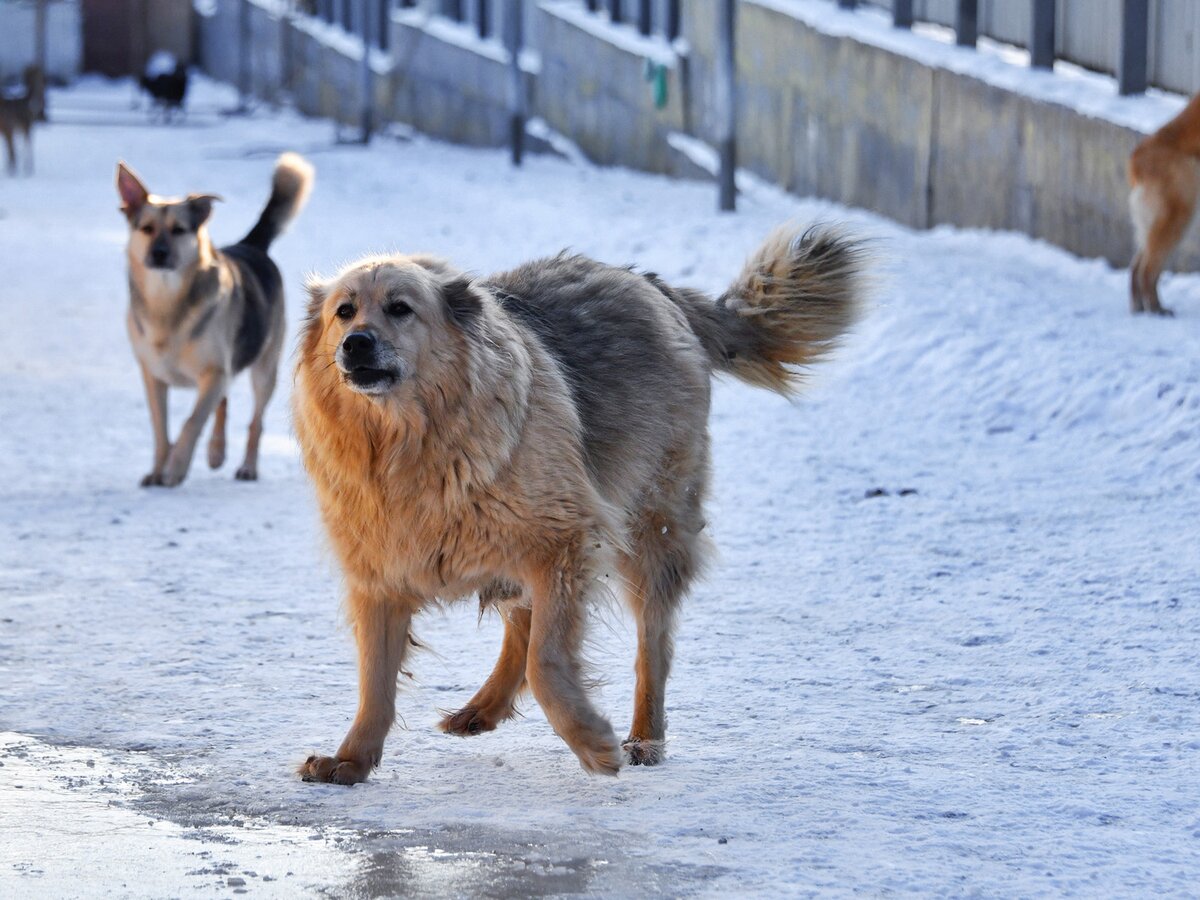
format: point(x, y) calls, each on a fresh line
point(198, 315)
point(517, 434)
point(1164, 175)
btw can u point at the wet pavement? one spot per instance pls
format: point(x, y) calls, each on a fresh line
point(74, 823)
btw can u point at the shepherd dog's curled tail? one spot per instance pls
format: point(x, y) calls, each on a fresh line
point(289, 190)
point(795, 297)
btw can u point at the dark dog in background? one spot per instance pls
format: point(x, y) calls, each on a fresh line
point(165, 80)
point(198, 315)
point(19, 112)
point(521, 434)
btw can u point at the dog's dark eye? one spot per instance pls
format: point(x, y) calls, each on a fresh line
point(177, 229)
point(147, 229)
point(398, 309)
point(345, 311)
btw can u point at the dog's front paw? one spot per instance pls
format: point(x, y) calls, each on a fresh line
point(641, 752)
point(467, 721)
point(331, 770)
point(216, 454)
point(602, 759)
point(172, 478)
point(246, 473)
point(154, 479)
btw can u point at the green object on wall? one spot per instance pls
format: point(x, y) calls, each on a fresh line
point(656, 74)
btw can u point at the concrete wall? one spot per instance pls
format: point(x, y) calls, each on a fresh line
point(594, 89)
point(925, 146)
point(817, 115)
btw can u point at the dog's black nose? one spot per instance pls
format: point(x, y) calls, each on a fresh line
point(159, 253)
point(358, 346)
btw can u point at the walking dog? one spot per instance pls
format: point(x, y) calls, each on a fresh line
point(198, 315)
point(19, 113)
point(523, 435)
point(1164, 177)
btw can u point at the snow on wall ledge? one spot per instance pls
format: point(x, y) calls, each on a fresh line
point(841, 105)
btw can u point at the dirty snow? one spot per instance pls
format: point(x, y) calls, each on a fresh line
point(981, 680)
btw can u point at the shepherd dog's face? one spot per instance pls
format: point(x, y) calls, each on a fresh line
point(164, 234)
point(388, 322)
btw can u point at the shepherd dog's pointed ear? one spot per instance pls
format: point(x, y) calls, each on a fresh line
point(200, 207)
point(462, 300)
point(131, 190)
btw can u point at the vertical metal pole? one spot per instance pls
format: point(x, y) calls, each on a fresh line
point(593, 5)
point(367, 109)
point(1041, 38)
point(847, 4)
point(673, 20)
point(245, 52)
point(39, 36)
point(966, 23)
point(615, 13)
point(643, 17)
point(902, 13)
point(514, 20)
point(483, 22)
point(726, 85)
point(1135, 34)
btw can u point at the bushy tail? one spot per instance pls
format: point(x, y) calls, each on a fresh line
point(795, 297)
point(289, 189)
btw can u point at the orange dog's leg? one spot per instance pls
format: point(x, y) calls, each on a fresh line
point(553, 668)
point(1166, 183)
point(494, 702)
point(1163, 235)
point(381, 629)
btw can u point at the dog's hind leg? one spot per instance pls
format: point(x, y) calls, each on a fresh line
point(495, 700)
point(658, 571)
point(212, 388)
point(156, 400)
point(559, 594)
point(216, 441)
point(262, 379)
point(381, 629)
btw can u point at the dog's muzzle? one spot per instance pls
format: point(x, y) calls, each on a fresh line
point(160, 255)
point(358, 359)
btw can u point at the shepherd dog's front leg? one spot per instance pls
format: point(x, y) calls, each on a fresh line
point(381, 629)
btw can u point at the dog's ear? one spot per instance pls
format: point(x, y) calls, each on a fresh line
point(318, 293)
point(462, 300)
point(131, 190)
point(200, 207)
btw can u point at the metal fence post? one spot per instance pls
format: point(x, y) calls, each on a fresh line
point(245, 52)
point(902, 13)
point(514, 38)
point(483, 19)
point(1041, 38)
point(643, 17)
point(966, 23)
point(1135, 34)
point(673, 21)
point(726, 89)
point(615, 13)
point(847, 4)
point(367, 108)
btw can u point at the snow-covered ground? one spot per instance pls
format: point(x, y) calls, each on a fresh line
point(988, 686)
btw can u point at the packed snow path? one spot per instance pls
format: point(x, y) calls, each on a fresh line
point(985, 680)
